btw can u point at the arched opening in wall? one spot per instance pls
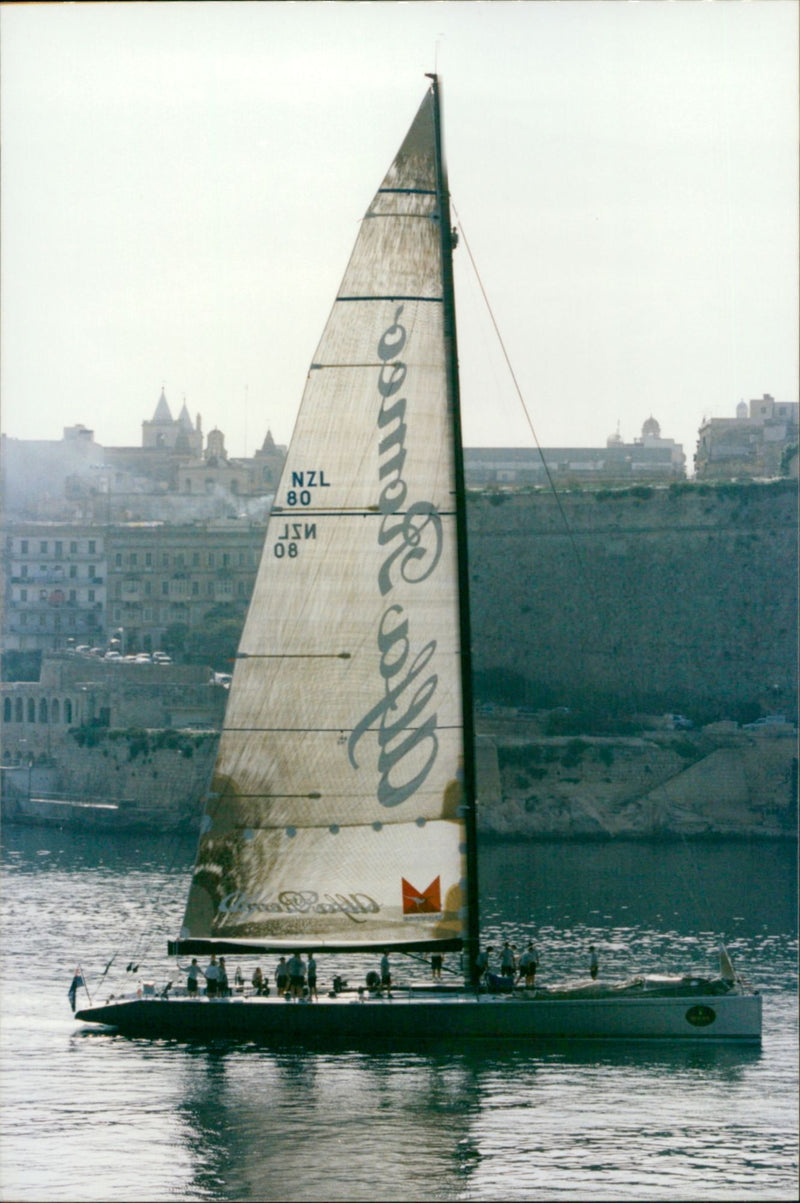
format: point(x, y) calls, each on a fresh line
point(55, 711)
point(67, 711)
point(18, 710)
point(7, 710)
point(43, 710)
point(31, 710)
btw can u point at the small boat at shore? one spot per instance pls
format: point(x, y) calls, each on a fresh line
point(342, 813)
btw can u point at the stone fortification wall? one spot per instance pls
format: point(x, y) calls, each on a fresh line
point(161, 775)
point(676, 598)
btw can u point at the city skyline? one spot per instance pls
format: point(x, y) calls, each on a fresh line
point(182, 187)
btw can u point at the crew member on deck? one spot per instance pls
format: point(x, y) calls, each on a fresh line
point(191, 978)
point(211, 973)
point(386, 973)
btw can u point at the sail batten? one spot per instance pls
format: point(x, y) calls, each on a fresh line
point(336, 816)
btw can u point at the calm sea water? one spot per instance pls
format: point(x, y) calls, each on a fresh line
point(92, 1117)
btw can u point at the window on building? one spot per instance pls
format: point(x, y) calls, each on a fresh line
point(18, 710)
point(24, 547)
point(67, 711)
point(43, 547)
point(43, 710)
point(7, 710)
point(148, 585)
point(118, 560)
point(59, 546)
point(165, 560)
point(90, 571)
point(31, 710)
point(92, 547)
point(73, 595)
point(195, 588)
point(195, 559)
point(134, 559)
point(55, 711)
point(226, 559)
point(73, 548)
point(23, 620)
point(148, 559)
point(23, 595)
point(211, 559)
point(73, 571)
point(24, 570)
point(91, 595)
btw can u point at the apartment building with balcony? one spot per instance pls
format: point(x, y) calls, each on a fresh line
point(54, 586)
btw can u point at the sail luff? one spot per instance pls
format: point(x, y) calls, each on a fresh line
point(454, 398)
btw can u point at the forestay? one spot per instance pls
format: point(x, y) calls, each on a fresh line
point(335, 817)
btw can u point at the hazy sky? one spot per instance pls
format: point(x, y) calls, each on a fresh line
point(182, 185)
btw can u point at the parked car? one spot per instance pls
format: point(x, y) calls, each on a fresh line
point(679, 722)
point(768, 720)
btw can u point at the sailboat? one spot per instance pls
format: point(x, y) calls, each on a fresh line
point(342, 815)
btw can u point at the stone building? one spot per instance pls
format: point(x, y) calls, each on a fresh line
point(170, 478)
point(177, 435)
point(79, 691)
point(161, 574)
point(67, 584)
point(760, 441)
point(649, 458)
point(55, 585)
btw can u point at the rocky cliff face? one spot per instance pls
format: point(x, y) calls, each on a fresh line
point(660, 785)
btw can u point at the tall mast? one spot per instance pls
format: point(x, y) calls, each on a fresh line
point(454, 404)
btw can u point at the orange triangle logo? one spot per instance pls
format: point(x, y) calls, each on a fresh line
point(426, 902)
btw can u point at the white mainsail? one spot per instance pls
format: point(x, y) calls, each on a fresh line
point(335, 818)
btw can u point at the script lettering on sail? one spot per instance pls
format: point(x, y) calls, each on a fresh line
point(412, 536)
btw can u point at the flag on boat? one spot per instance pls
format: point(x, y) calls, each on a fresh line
point(76, 982)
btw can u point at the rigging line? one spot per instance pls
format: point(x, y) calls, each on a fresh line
point(528, 419)
point(143, 944)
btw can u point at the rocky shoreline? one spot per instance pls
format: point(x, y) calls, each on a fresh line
point(720, 782)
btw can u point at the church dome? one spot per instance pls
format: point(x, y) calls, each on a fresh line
point(651, 429)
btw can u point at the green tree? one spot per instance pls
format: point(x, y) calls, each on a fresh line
point(217, 642)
